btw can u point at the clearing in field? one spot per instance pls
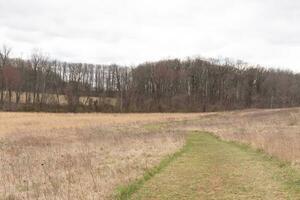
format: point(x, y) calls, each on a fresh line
point(212, 169)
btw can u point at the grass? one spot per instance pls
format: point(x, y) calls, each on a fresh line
point(275, 131)
point(86, 156)
point(61, 99)
point(125, 192)
point(79, 156)
point(213, 169)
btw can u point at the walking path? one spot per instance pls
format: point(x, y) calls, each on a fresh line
point(210, 168)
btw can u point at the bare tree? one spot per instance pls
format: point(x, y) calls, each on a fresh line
point(4, 60)
point(167, 85)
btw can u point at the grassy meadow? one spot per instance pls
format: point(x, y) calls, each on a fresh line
point(90, 156)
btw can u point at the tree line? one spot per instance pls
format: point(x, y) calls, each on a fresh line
point(173, 85)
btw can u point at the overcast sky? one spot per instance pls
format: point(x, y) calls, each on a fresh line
point(128, 32)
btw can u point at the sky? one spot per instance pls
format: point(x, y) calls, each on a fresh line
point(129, 32)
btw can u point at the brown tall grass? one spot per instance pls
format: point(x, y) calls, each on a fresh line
point(79, 156)
point(276, 132)
point(85, 156)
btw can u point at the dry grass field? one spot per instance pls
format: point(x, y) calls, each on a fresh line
point(276, 131)
point(60, 99)
point(86, 156)
point(79, 156)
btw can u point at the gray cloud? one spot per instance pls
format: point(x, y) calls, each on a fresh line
point(133, 31)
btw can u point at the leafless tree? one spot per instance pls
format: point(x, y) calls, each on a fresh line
point(4, 60)
point(173, 85)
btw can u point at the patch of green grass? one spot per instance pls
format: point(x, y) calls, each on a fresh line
point(208, 168)
point(125, 192)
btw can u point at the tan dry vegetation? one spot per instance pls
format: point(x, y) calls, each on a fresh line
point(276, 131)
point(85, 156)
point(60, 99)
point(79, 156)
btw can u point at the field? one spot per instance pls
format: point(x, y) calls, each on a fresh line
point(60, 99)
point(209, 168)
point(88, 156)
point(276, 131)
point(79, 156)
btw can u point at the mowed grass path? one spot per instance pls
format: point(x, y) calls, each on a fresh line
point(210, 168)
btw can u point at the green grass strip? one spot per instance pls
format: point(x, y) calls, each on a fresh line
point(207, 157)
point(125, 192)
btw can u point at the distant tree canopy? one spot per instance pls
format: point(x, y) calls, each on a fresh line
point(191, 85)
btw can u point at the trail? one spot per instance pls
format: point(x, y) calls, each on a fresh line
point(213, 169)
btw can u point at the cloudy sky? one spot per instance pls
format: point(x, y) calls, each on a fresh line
point(128, 32)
